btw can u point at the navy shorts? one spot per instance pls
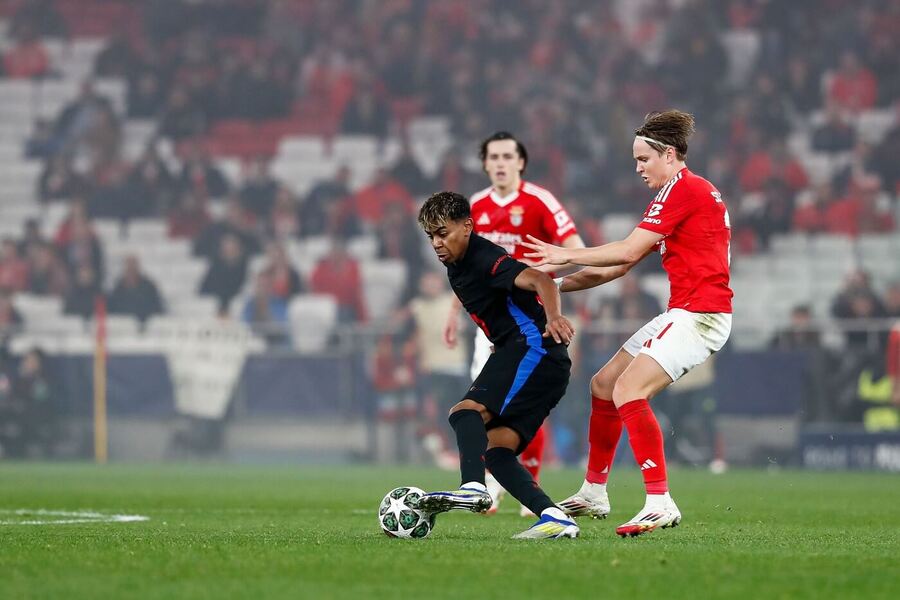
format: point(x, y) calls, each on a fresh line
point(521, 384)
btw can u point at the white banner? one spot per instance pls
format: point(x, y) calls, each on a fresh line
point(205, 361)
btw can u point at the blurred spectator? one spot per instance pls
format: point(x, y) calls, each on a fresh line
point(201, 176)
point(284, 281)
point(407, 170)
point(150, 188)
point(145, 100)
point(774, 162)
point(181, 117)
point(338, 274)
point(371, 202)
point(10, 318)
point(444, 368)
point(892, 300)
point(135, 294)
point(46, 272)
point(13, 268)
point(59, 182)
point(266, 312)
point(40, 17)
point(41, 143)
point(227, 272)
point(835, 134)
point(326, 208)
point(118, 57)
point(862, 210)
point(27, 58)
point(812, 216)
point(283, 219)
point(258, 191)
point(235, 222)
point(257, 94)
point(853, 86)
point(83, 294)
point(89, 117)
point(366, 114)
point(801, 332)
point(400, 237)
point(79, 246)
point(32, 391)
point(31, 238)
point(857, 303)
point(188, 218)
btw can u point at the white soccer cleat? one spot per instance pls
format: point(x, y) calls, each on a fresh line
point(473, 500)
point(495, 490)
point(552, 525)
point(659, 512)
point(590, 501)
point(524, 511)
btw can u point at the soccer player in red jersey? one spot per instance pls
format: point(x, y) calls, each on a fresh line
point(688, 224)
point(505, 213)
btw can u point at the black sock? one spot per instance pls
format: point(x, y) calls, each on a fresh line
point(471, 438)
point(504, 465)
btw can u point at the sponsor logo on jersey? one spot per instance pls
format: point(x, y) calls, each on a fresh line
point(507, 241)
point(516, 215)
point(654, 221)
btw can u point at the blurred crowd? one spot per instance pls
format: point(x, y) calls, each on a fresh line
point(570, 78)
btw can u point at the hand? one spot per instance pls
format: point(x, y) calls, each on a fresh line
point(560, 329)
point(544, 253)
point(451, 327)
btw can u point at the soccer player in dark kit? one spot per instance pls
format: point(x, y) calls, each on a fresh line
point(518, 309)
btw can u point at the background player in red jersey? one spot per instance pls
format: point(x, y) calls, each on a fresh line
point(687, 222)
point(505, 213)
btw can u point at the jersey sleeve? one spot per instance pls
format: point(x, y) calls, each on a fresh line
point(501, 269)
point(668, 210)
point(556, 220)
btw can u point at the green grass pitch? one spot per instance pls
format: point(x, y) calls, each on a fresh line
point(301, 532)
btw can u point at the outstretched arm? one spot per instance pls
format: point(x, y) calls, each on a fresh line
point(573, 241)
point(594, 276)
point(625, 252)
point(558, 327)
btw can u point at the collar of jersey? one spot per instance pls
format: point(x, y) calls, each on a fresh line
point(504, 200)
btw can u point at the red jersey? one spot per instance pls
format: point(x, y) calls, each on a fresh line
point(696, 252)
point(529, 210)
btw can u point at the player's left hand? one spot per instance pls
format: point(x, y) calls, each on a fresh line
point(560, 329)
point(544, 253)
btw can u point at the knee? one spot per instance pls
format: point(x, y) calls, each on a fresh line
point(602, 385)
point(468, 405)
point(623, 391)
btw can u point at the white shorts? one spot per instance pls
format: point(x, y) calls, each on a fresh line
point(680, 340)
point(481, 354)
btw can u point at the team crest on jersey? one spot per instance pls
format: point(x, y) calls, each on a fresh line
point(516, 215)
point(484, 219)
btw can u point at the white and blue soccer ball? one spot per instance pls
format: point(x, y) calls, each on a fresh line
point(398, 516)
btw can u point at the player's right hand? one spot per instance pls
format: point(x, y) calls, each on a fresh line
point(560, 329)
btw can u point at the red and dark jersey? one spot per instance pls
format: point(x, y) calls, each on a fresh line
point(484, 281)
point(690, 212)
point(506, 221)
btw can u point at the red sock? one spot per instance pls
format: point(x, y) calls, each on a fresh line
point(647, 443)
point(533, 454)
point(603, 435)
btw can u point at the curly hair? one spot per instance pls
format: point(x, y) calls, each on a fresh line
point(442, 208)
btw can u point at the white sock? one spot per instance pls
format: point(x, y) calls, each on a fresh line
point(658, 500)
point(592, 490)
point(474, 485)
point(555, 513)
